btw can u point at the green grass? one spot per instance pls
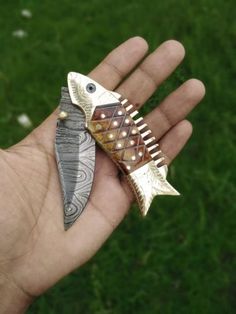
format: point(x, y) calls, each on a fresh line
point(181, 258)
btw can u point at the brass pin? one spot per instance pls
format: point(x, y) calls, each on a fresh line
point(98, 127)
point(134, 131)
point(62, 115)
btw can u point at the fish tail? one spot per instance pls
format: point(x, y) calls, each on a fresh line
point(147, 182)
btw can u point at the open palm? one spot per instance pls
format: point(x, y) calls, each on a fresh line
point(35, 251)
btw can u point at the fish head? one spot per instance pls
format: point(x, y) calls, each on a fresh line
point(88, 94)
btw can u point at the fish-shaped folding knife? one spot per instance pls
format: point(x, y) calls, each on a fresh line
point(107, 118)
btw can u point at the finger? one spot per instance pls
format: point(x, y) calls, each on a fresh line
point(175, 107)
point(109, 73)
point(117, 64)
point(174, 140)
point(142, 83)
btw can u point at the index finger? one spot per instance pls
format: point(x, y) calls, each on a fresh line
point(109, 73)
point(119, 62)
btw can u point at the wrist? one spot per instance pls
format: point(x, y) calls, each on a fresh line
point(13, 299)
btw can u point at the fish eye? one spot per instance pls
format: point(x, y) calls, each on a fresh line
point(91, 88)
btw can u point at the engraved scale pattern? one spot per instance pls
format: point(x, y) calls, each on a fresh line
point(147, 182)
point(115, 130)
point(75, 154)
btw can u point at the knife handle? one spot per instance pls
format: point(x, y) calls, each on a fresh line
point(128, 142)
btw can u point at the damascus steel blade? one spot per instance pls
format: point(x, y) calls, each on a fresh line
point(75, 154)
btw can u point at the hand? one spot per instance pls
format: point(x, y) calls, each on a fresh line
point(35, 251)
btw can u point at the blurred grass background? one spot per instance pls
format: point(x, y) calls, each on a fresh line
point(181, 258)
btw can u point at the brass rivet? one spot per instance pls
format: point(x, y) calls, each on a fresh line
point(62, 115)
point(98, 127)
point(110, 135)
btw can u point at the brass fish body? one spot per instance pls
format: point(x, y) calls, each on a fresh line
point(128, 142)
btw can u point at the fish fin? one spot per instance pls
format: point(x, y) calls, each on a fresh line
point(147, 182)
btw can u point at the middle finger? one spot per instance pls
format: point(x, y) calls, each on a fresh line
point(143, 82)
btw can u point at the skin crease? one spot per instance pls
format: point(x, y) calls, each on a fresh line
point(33, 242)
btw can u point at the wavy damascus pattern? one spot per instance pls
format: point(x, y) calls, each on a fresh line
point(75, 153)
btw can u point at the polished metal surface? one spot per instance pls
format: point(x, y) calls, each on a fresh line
point(148, 180)
point(86, 99)
point(75, 154)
